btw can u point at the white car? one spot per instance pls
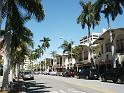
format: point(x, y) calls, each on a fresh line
point(46, 72)
point(54, 73)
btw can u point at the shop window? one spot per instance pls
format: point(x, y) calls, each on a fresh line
point(108, 47)
point(120, 45)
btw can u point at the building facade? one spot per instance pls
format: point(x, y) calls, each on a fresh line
point(106, 60)
point(84, 43)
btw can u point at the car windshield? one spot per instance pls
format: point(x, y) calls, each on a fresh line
point(28, 72)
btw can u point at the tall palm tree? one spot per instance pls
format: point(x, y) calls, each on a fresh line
point(87, 17)
point(45, 44)
point(110, 8)
point(12, 9)
point(67, 47)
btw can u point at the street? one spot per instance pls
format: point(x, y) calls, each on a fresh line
point(58, 84)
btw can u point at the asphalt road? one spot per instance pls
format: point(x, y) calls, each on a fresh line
point(58, 84)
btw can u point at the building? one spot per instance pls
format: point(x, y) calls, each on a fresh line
point(26, 64)
point(105, 59)
point(85, 40)
point(84, 43)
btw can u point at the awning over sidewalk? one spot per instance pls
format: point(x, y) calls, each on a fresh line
point(104, 62)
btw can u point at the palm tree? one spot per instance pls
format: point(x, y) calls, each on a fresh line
point(76, 53)
point(19, 48)
point(67, 47)
point(12, 10)
point(45, 42)
point(110, 8)
point(87, 17)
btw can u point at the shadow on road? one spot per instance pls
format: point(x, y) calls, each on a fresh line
point(33, 87)
point(27, 87)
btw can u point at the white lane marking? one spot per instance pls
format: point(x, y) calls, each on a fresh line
point(71, 89)
point(78, 91)
point(62, 91)
point(53, 92)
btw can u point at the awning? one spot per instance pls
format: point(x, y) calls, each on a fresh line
point(104, 62)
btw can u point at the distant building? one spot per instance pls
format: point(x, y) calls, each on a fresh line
point(85, 40)
point(26, 64)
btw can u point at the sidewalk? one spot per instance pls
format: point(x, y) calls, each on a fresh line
point(16, 87)
point(1, 79)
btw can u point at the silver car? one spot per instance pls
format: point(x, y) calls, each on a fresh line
point(28, 75)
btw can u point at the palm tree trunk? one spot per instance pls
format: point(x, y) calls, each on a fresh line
point(7, 58)
point(6, 66)
point(89, 45)
point(111, 43)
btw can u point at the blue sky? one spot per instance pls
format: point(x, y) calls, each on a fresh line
point(60, 21)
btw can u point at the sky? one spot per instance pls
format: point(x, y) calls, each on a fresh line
point(61, 21)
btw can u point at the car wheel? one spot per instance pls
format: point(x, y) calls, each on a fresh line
point(87, 77)
point(103, 79)
point(119, 81)
point(78, 77)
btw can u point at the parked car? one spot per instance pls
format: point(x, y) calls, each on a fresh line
point(53, 73)
point(68, 73)
point(46, 73)
point(27, 75)
point(114, 74)
point(88, 74)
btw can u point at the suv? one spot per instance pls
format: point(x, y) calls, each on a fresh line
point(114, 74)
point(88, 74)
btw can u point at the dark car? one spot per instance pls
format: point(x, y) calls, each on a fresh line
point(28, 75)
point(68, 73)
point(114, 74)
point(88, 74)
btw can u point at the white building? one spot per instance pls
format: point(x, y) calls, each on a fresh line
point(26, 63)
point(85, 40)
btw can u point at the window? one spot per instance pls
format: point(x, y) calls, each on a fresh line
point(108, 47)
point(95, 36)
point(120, 45)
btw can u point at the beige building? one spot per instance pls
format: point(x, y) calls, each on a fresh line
point(105, 56)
